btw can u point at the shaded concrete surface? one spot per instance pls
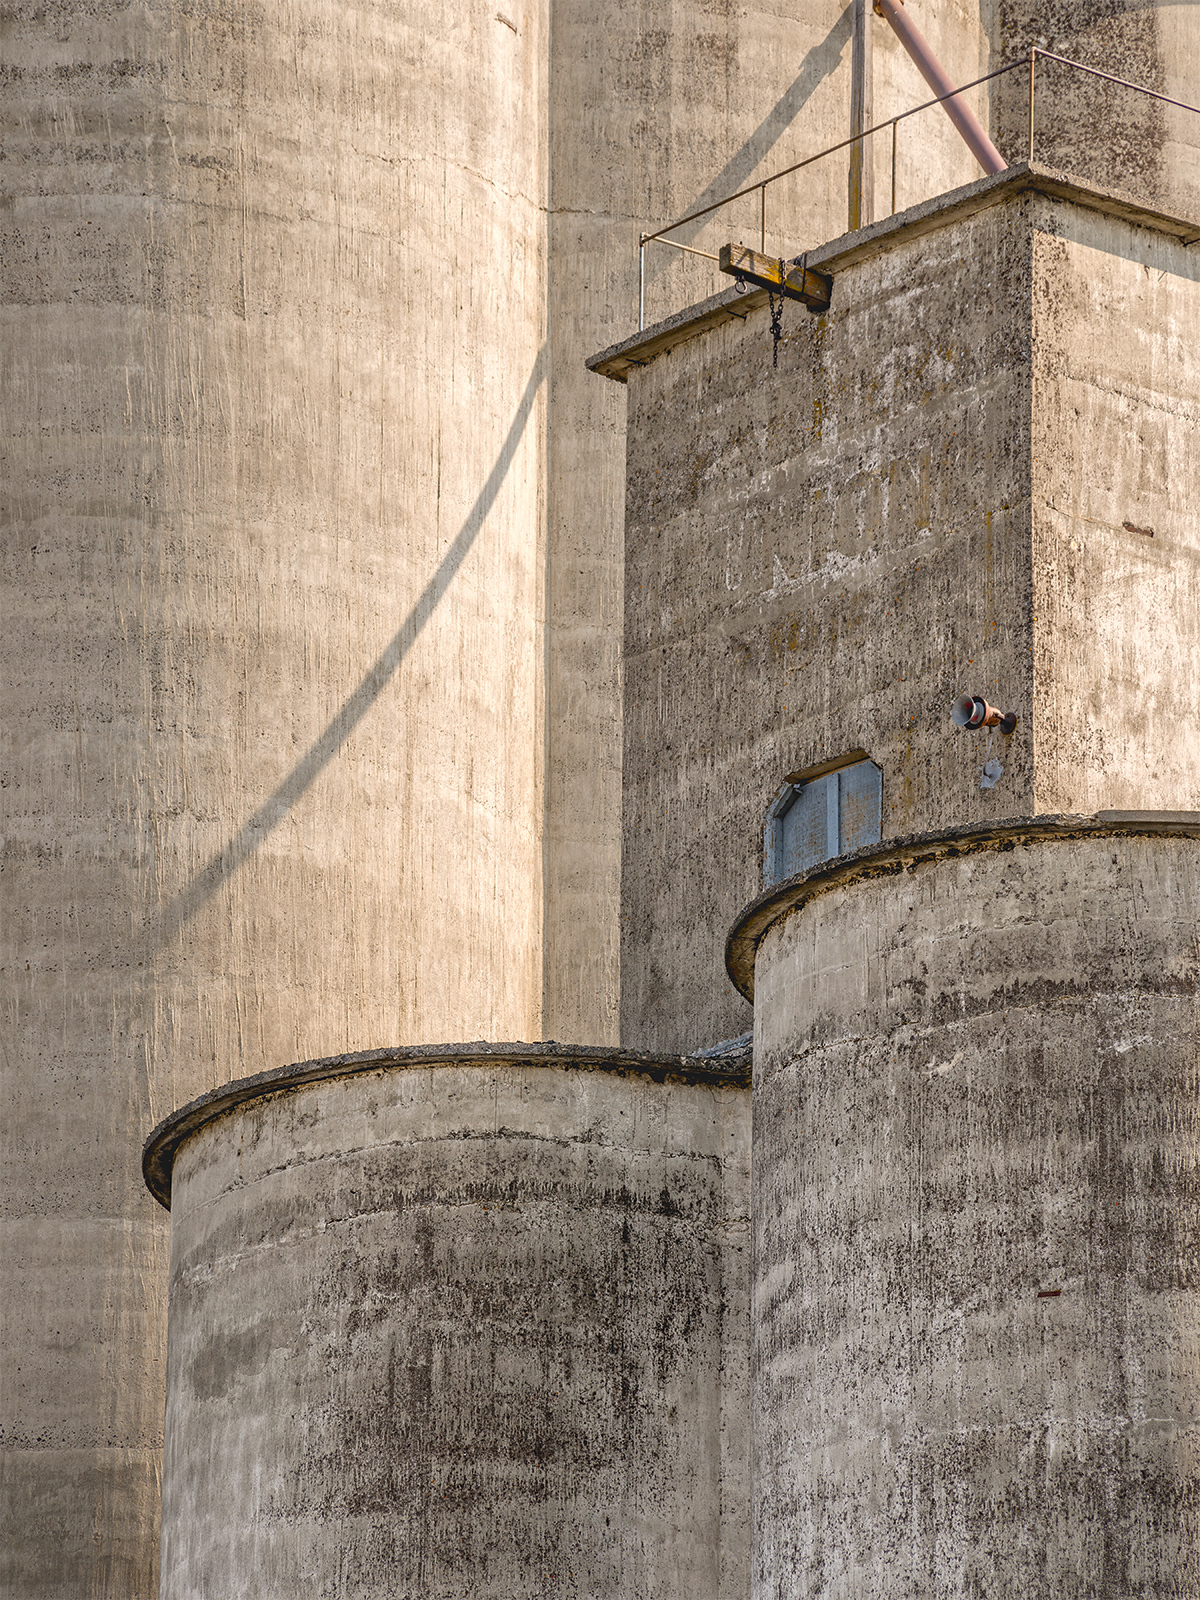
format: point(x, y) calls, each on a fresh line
point(646, 105)
point(1097, 129)
point(1116, 528)
point(299, 590)
point(976, 1310)
point(469, 1321)
point(820, 555)
point(655, 111)
point(799, 539)
point(272, 467)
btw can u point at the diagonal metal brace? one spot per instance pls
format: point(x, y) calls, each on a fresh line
point(794, 282)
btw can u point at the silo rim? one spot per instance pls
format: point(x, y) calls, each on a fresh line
point(905, 853)
point(158, 1152)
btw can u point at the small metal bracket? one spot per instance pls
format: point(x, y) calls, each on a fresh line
point(793, 281)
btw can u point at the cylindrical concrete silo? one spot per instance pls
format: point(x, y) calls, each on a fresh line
point(976, 1291)
point(273, 302)
point(458, 1322)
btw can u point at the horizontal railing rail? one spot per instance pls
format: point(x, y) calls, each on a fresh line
point(659, 236)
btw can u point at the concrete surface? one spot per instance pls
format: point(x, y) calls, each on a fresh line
point(655, 111)
point(273, 467)
point(469, 1324)
point(1116, 527)
point(314, 579)
point(1082, 124)
point(313, 609)
point(821, 555)
point(976, 1308)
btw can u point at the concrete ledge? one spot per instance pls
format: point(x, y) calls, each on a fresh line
point(849, 248)
point(158, 1152)
point(916, 850)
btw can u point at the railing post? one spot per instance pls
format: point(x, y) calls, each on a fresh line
point(861, 186)
point(641, 282)
point(1032, 71)
point(895, 120)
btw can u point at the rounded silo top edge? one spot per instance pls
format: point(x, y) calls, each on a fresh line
point(158, 1152)
point(911, 850)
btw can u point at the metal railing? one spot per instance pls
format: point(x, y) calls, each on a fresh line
point(760, 188)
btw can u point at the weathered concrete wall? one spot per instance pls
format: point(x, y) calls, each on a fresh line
point(940, 488)
point(273, 491)
point(276, 340)
point(654, 111)
point(1116, 527)
point(463, 1327)
point(819, 556)
point(277, 471)
point(976, 1306)
point(1096, 129)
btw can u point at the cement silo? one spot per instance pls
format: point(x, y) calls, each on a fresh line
point(454, 1322)
point(273, 455)
point(313, 612)
point(976, 1305)
point(975, 1320)
point(313, 738)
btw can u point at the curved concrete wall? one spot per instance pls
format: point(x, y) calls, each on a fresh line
point(469, 1324)
point(272, 488)
point(976, 1303)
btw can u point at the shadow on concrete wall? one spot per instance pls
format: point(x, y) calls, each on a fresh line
point(818, 64)
point(304, 774)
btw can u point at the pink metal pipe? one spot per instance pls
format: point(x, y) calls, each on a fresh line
point(930, 68)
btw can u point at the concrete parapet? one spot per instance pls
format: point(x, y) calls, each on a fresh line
point(466, 1320)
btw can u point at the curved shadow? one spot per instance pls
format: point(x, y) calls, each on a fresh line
point(822, 60)
point(302, 776)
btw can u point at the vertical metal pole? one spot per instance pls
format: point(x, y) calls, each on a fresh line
point(862, 165)
point(894, 166)
point(762, 217)
point(1032, 71)
point(641, 282)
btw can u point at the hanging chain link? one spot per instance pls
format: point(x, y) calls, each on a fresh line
point(777, 314)
point(777, 310)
